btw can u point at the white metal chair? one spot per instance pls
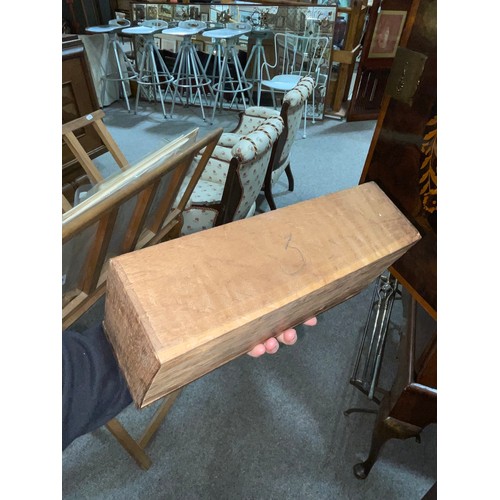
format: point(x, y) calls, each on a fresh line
point(295, 56)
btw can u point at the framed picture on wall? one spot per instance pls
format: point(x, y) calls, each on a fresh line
point(387, 33)
point(194, 12)
point(165, 12)
point(139, 12)
point(152, 12)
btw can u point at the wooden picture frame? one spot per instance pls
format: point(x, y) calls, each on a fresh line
point(194, 12)
point(204, 17)
point(387, 33)
point(165, 12)
point(139, 12)
point(152, 12)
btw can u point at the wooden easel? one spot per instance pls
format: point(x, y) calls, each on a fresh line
point(94, 120)
point(155, 184)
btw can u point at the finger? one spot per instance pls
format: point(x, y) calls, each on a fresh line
point(257, 351)
point(271, 345)
point(311, 322)
point(288, 337)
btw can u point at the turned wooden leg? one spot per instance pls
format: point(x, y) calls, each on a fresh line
point(269, 196)
point(288, 172)
point(385, 429)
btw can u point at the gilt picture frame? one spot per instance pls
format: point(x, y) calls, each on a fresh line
point(387, 33)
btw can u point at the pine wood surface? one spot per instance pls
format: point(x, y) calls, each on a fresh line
point(182, 308)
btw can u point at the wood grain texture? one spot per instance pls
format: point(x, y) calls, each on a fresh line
point(182, 308)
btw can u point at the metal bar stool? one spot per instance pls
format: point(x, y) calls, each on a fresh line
point(153, 72)
point(190, 77)
point(238, 85)
point(125, 70)
point(258, 55)
point(215, 54)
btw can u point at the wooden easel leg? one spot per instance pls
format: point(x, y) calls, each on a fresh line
point(126, 440)
point(158, 418)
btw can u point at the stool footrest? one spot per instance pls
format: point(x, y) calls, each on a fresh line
point(191, 82)
point(115, 77)
point(217, 86)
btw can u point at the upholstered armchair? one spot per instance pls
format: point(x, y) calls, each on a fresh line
point(232, 179)
point(291, 113)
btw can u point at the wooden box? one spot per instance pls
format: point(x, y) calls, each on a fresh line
point(178, 310)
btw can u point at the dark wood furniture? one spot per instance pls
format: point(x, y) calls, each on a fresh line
point(372, 72)
point(403, 161)
point(82, 13)
point(78, 99)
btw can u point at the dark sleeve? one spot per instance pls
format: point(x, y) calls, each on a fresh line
point(93, 388)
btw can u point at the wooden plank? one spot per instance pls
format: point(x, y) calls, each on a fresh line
point(83, 158)
point(97, 254)
point(81, 122)
point(118, 189)
point(110, 143)
point(136, 223)
point(66, 205)
point(127, 441)
point(177, 310)
point(345, 56)
point(158, 418)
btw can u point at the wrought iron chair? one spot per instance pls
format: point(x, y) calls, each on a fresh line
point(295, 56)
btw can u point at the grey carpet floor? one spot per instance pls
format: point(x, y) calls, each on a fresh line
point(267, 428)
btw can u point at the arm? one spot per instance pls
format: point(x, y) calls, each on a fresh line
point(252, 117)
point(93, 387)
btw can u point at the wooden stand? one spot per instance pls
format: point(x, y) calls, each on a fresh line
point(93, 120)
point(137, 208)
